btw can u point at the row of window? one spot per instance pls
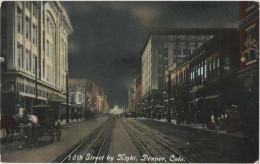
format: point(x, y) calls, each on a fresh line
point(182, 37)
point(24, 88)
point(34, 7)
point(180, 78)
point(30, 59)
point(188, 46)
point(200, 72)
point(27, 27)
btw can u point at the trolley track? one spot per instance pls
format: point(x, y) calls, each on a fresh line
point(91, 148)
point(153, 146)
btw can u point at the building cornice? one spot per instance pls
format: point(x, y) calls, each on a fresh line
point(180, 31)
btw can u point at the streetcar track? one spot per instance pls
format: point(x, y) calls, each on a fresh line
point(88, 142)
point(160, 141)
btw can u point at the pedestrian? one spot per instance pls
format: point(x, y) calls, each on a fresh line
point(230, 122)
point(212, 122)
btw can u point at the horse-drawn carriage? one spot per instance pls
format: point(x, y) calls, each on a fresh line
point(28, 128)
point(47, 125)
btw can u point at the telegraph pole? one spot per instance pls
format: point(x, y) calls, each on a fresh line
point(67, 98)
point(86, 97)
point(36, 81)
point(169, 96)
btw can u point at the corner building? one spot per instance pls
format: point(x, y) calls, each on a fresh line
point(34, 42)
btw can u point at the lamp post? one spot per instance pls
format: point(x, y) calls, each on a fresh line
point(67, 97)
point(169, 96)
point(36, 81)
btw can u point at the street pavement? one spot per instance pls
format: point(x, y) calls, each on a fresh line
point(204, 144)
point(122, 146)
point(46, 152)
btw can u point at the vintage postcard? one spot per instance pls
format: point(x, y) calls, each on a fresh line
point(129, 81)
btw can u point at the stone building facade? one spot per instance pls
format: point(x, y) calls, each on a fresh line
point(34, 41)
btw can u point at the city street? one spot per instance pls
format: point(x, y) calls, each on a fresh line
point(46, 151)
point(129, 82)
point(134, 140)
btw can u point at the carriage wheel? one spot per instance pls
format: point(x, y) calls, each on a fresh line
point(34, 135)
point(58, 131)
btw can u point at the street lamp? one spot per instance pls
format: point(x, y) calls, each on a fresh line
point(67, 97)
point(250, 45)
point(169, 96)
point(2, 59)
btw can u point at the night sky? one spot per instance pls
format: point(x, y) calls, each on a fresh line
point(107, 38)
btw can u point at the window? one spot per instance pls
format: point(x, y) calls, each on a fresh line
point(213, 69)
point(226, 66)
point(27, 4)
point(192, 47)
point(79, 97)
point(34, 9)
point(48, 71)
point(201, 72)
point(43, 65)
point(48, 25)
point(209, 68)
point(19, 20)
point(27, 28)
point(34, 34)
point(205, 69)
point(19, 55)
point(226, 60)
point(34, 63)
point(218, 66)
point(48, 48)
point(28, 60)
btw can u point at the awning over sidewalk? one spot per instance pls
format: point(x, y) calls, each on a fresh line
point(55, 98)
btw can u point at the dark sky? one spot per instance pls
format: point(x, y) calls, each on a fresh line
point(107, 38)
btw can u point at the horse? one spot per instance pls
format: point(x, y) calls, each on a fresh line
point(27, 127)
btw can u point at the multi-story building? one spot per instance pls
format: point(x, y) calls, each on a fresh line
point(84, 93)
point(102, 100)
point(214, 85)
point(34, 44)
point(138, 95)
point(249, 66)
point(130, 99)
point(161, 49)
point(206, 82)
point(179, 91)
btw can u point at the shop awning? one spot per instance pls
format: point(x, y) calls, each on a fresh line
point(55, 98)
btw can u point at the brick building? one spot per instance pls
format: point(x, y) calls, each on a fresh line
point(249, 66)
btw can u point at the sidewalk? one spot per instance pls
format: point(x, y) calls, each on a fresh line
point(63, 123)
point(199, 126)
